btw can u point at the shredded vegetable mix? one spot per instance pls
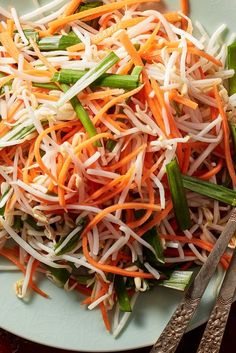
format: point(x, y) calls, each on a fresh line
point(117, 139)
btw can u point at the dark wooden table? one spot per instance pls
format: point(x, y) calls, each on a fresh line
point(12, 344)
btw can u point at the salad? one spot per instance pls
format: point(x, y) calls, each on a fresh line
point(118, 142)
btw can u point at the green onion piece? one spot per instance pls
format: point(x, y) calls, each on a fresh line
point(233, 134)
point(58, 42)
point(137, 71)
point(91, 76)
point(82, 279)
point(178, 280)
point(33, 224)
point(232, 65)
point(126, 82)
point(205, 188)
point(9, 83)
point(58, 275)
point(178, 196)
point(110, 145)
point(122, 295)
point(73, 241)
point(153, 239)
point(31, 34)
point(50, 85)
point(17, 225)
point(2, 209)
point(81, 113)
point(89, 5)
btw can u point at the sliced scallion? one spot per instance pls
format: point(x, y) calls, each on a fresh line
point(58, 42)
point(233, 134)
point(178, 280)
point(126, 82)
point(33, 224)
point(154, 240)
point(205, 188)
point(122, 294)
point(58, 275)
point(178, 196)
point(50, 85)
point(73, 241)
point(232, 65)
point(91, 76)
point(31, 34)
point(89, 5)
point(3, 200)
point(110, 145)
point(17, 223)
point(137, 71)
point(81, 113)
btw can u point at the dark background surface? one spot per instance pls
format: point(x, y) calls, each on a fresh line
point(12, 344)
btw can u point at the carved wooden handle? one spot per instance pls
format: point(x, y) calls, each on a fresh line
point(173, 332)
point(214, 331)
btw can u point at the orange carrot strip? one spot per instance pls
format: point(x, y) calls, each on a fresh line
point(174, 95)
point(54, 25)
point(187, 154)
point(157, 219)
point(105, 316)
point(9, 255)
point(63, 174)
point(101, 94)
point(205, 55)
point(213, 171)
point(6, 79)
point(126, 159)
point(37, 149)
point(185, 7)
point(229, 160)
point(145, 217)
point(10, 26)
point(136, 59)
point(198, 242)
point(122, 180)
point(147, 45)
point(97, 219)
point(71, 7)
point(42, 57)
point(11, 48)
point(114, 101)
point(47, 97)
point(106, 33)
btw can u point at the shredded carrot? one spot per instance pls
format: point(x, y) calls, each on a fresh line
point(47, 97)
point(105, 316)
point(213, 171)
point(11, 48)
point(205, 55)
point(71, 7)
point(106, 33)
point(198, 242)
point(64, 170)
point(42, 57)
point(157, 219)
point(114, 101)
point(10, 26)
point(54, 25)
point(7, 253)
point(136, 59)
point(174, 95)
point(185, 7)
point(37, 149)
point(126, 159)
point(229, 160)
point(5, 80)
